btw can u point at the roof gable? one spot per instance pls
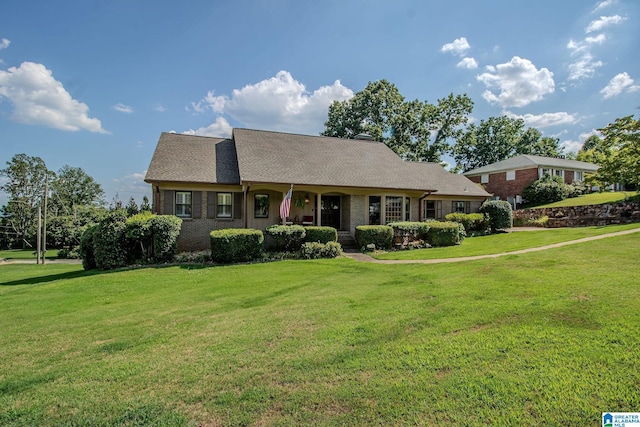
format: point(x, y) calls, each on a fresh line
point(526, 161)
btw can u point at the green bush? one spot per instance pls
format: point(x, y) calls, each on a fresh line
point(379, 235)
point(236, 245)
point(417, 230)
point(320, 234)
point(499, 213)
point(545, 190)
point(111, 248)
point(445, 233)
point(317, 250)
point(165, 230)
point(287, 238)
point(140, 233)
point(87, 242)
point(472, 222)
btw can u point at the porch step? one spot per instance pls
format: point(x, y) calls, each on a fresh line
point(346, 240)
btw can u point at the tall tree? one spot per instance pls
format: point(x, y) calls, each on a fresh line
point(26, 180)
point(73, 188)
point(499, 138)
point(621, 146)
point(415, 130)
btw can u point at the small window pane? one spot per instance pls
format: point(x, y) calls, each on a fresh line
point(393, 209)
point(430, 209)
point(458, 207)
point(183, 204)
point(484, 178)
point(261, 206)
point(374, 210)
point(511, 175)
point(224, 206)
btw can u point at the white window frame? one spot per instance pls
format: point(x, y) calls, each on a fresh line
point(559, 172)
point(484, 178)
point(183, 204)
point(511, 175)
point(578, 176)
point(224, 213)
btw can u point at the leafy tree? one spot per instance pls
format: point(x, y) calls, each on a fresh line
point(132, 207)
point(145, 206)
point(499, 138)
point(72, 189)
point(621, 148)
point(26, 180)
point(415, 130)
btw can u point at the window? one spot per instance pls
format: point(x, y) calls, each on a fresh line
point(407, 209)
point(484, 178)
point(183, 204)
point(458, 207)
point(578, 176)
point(261, 206)
point(374, 210)
point(432, 209)
point(559, 172)
point(511, 175)
point(393, 209)
point(544, 172)
point(224, 205)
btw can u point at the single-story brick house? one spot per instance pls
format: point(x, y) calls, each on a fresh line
point(508, 178)
point(215, 183)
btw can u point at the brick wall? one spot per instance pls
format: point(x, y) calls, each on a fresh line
point(499, 186)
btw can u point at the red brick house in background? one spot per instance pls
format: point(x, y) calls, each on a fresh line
point(508, 178)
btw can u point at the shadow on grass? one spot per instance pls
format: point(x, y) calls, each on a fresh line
point(51, 278)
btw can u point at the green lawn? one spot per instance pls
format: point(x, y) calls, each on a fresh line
point(505, 242)
point(26, 254)
point(551, 338)
point(592, 199)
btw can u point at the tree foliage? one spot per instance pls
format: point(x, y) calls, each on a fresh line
point(499, 138)
point(26, 178)
point(415, 130)
point(72, 189)
point(618, 152)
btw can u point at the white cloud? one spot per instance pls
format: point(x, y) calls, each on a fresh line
point(123, 108)
point(604, 21)
point(4, 43)
point(39, 99)
point(220, 128)
point(570, 146)
point(584, 67)
point(468, 63)
point(545, 119)
point(518, 82)
point(279, 103)
point(457, 47)
point(599, 39)
point(603, 4)
point(132, 185)
point(159, 108)
point(619, 84)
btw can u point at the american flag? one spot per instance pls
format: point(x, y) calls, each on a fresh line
point(285, 206)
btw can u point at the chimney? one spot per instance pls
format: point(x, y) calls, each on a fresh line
point(363, 137)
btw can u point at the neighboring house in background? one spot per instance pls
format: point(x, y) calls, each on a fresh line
point(508, 178)
point(215, 183)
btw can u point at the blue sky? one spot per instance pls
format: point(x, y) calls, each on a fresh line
point(92, 84)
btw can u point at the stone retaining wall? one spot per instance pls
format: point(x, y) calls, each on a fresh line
point(582, 216)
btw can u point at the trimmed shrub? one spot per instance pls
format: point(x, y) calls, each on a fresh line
point(499, 213)
point(472, 222)
point(379, 235)
point(87, 242)
point(287, 238)
point(140, 233)
point(317, 250)
point(165, 230)
point(320, 234)
point(547, 189)
point(236, 245)
point(417, 230)
point(445, 233)
point(111, 247)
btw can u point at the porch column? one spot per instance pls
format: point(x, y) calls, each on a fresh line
point(319, 209)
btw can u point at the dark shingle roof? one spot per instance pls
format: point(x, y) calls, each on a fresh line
point(188, 158)
point(274, 157)
point(525, 161)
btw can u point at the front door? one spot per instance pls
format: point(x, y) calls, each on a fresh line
point(330, 211)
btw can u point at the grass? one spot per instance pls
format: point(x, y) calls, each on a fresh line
point(505, 242)
point(26, 254)
point(551, 338)
point(592, 199)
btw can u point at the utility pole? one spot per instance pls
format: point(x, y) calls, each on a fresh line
point(44, 225)
point(38, 235)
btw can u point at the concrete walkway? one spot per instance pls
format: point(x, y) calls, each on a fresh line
point(358, 256)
